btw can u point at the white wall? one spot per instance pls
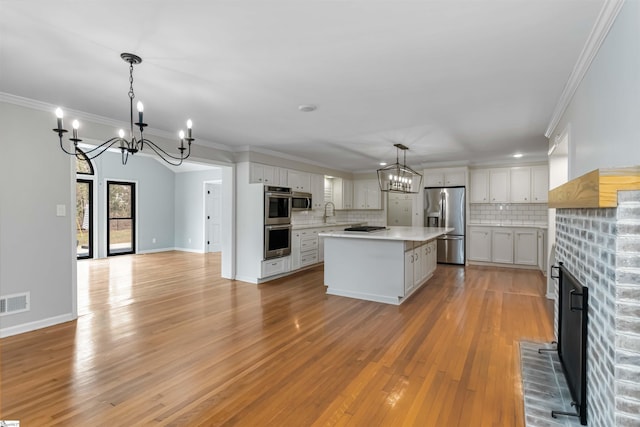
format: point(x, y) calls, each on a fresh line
point(37, 248)
point(154, 200)
point(605, 110)
point(189, 208)
point(37, 252)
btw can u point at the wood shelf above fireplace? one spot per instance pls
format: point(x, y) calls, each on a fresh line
point(596, 189)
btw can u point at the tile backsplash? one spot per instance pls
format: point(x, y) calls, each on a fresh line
point(371, 217)
point(508, 213)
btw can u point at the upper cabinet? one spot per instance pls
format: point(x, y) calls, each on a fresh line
point(299, 181)
point(317, 191)
point(342, 193)
point(444, 178)
point(520, 185)
point(264, 174)
point(499, 185)
point(509, 185)
point(367, 194)
point(540, 184)
point(479, 183)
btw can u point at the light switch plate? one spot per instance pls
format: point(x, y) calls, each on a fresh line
point(61, 210)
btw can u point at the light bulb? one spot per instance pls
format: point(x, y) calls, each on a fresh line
point(121, 133)
point(189, 124)
point(181, 134)
point(141, 107)
point(59, 113)
point(75, 124)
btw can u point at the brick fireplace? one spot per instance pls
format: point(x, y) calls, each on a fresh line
point(601, 247)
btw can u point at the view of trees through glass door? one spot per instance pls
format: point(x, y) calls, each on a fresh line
point(121, 201)
point(84, 218)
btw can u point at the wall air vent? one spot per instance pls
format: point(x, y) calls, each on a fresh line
point(16, 303)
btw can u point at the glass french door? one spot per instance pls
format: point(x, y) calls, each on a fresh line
point(84, 218)
point(121, 214)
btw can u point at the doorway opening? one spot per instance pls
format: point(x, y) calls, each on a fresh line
point(121, 218)
point(212, 216)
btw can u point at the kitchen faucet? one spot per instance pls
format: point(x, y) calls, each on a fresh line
point(333, 211)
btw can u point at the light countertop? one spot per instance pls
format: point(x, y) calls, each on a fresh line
point(497, 224)
point(416, 234)
point(324, 225)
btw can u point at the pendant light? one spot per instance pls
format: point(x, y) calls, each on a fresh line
point(397, 178)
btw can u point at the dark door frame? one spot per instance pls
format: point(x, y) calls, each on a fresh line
point(89, 183)
point(132, 218)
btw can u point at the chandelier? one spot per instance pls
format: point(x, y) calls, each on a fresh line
point(130, 145)
point(397, 178)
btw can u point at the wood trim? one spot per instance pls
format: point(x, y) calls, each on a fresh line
point(596, 189)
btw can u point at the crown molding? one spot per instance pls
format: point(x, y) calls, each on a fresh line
point(94, 118)
point(601, 27)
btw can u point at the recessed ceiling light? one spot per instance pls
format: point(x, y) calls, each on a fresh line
point(307, 108)
point(383, 163)
point(517, 156)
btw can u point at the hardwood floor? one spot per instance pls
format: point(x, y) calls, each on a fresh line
point(163, 340)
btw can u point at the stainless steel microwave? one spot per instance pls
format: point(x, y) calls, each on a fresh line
point(301, 201)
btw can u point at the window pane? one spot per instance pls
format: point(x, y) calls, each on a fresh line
point(119, 201)
point(83, 220)
point(120, 235)
point(83, 164)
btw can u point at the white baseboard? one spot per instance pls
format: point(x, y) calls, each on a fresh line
point(152, 251)
point(38, 324)
point(197, 251)
point(247, 279)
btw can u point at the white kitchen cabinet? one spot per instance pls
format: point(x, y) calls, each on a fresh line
point(299, 181)
point(317, 191)
point(499, 185)
point(408, 271)
point(479, 183)
point(342, 193)
point(480, 244)
point(542, 251)
point(540, 184)
point(502, 245)
point(525, 246)
point(304, 248)
point(367, 194)
point(419, 267)
point(271, 267)
point(264, 174)
point(444, 178)
point(428, 259)
point(520, 185)
point(399, 208)
point(420, 260)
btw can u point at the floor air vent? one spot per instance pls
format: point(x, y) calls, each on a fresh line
point(16, 303)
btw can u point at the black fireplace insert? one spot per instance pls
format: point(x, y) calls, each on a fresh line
point(573, 303)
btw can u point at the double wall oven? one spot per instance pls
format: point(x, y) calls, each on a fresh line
point(277, 221)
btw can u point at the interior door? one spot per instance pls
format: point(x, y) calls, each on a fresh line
point(121, 214)
point(84, 218)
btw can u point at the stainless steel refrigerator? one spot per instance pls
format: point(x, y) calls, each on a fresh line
point(445, 207)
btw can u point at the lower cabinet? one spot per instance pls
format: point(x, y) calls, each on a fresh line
point(526, 247)
point(271, 267)
point(504, 245)
point(480, 244)
point(420, 260)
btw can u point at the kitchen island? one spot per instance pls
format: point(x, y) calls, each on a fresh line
point(385, 266)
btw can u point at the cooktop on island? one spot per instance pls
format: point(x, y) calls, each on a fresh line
point(366, 228)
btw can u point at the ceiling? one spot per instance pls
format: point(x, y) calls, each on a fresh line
point(458, 82)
